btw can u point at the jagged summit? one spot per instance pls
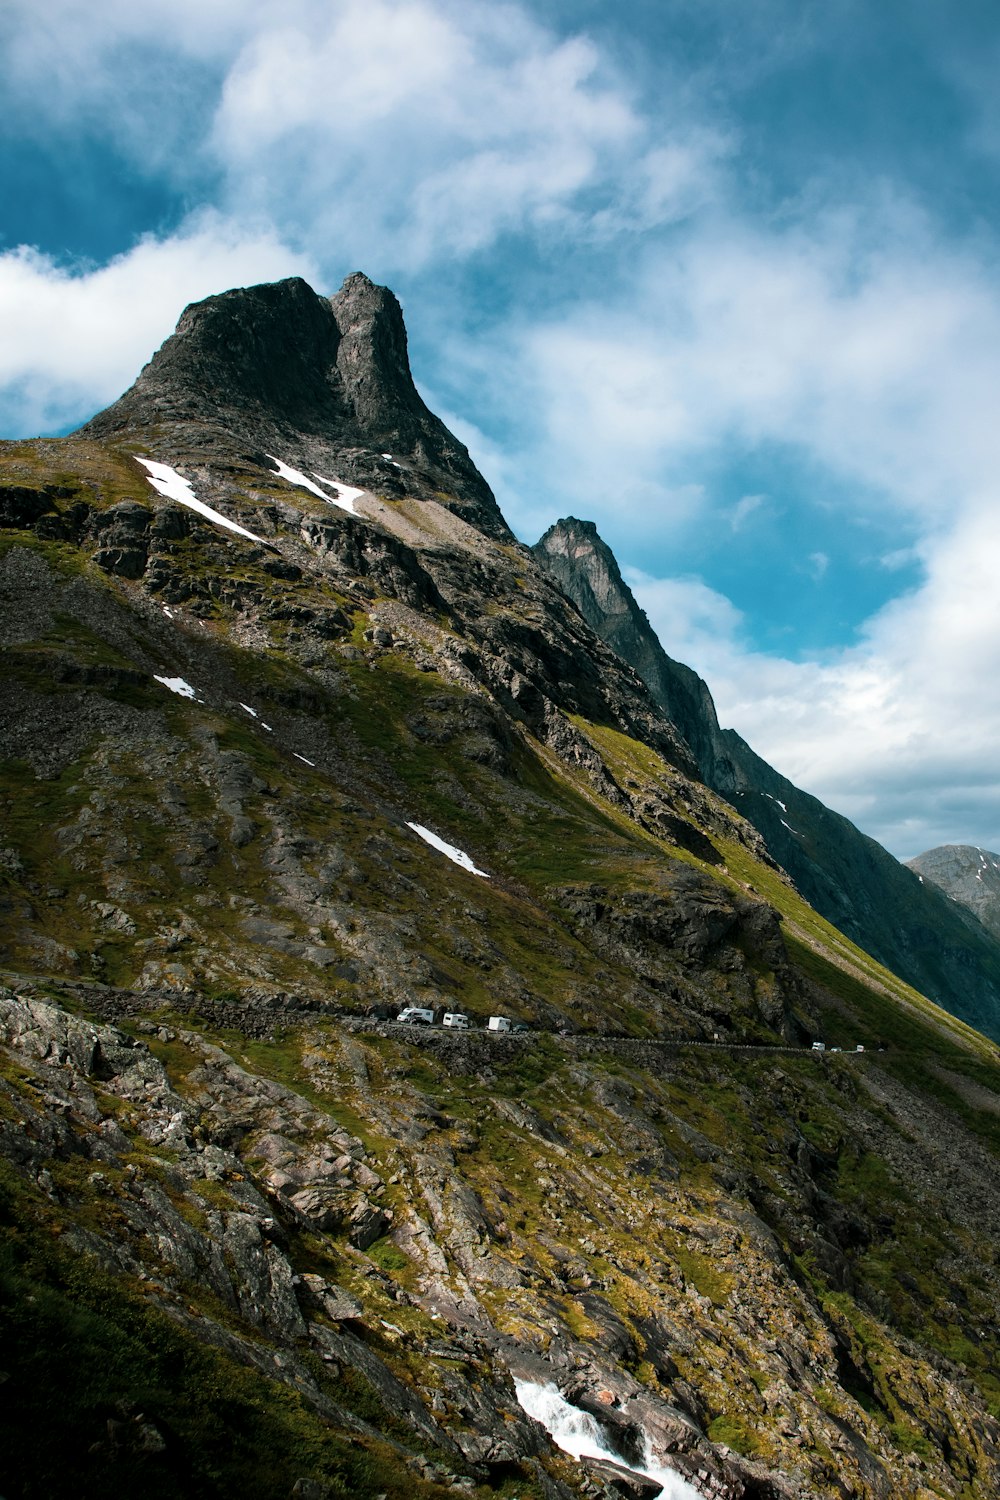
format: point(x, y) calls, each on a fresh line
point(586, 570)
point(319, 381)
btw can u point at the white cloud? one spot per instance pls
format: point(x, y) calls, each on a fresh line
point(75, 339)
point(867, 345)
point(389, 133)
point(695, 624)
point(745, 507)
point(899, 732)
point(409, 130)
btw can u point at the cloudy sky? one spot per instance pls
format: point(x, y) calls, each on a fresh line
point(720, 275)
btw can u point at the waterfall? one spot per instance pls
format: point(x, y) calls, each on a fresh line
point(580, 1435)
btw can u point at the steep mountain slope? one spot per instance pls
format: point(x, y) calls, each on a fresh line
point(967, 874)
point(845, 875)
point(259, 1238)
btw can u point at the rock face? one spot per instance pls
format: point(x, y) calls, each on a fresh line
point(844, 874)
point(319, 382)
point(967, 874)
point(261, 1238)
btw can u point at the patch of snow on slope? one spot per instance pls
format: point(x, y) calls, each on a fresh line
point(343, 495)
point(580, 1435)
point(177, 685)
point(295, 476)
point(303, 759)
point(170, 484)
point(456, 855)
point(255, 715)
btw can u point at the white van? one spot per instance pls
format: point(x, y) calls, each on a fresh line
point(415, 1015)
point(456, 1020)
point(819, 1046)
point(498, 1023)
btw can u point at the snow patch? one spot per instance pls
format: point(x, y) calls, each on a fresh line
point(580, 1435)
point(303, 759)
point(344, 495)
point(456, 855)
point(172, 486)
point(177, 685)
point(295, 476)
point(255, 715)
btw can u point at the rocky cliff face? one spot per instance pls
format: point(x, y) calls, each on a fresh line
point(848, 877)
point(262, 787)
point(968, 875)
point(321, 382)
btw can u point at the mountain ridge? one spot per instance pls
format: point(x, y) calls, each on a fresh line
point(847, 876)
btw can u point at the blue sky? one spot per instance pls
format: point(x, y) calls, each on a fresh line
point(720, 275)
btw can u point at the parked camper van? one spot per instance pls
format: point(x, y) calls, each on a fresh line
point(415, 1015)
point(819, 1046)
point(455, 1020)
point(498, 1023)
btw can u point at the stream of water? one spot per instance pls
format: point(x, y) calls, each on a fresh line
point(580, 1435)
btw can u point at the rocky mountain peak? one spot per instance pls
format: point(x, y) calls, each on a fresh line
point(581, 562)
point(969, 875)
point(372, 358)
point(258, 351)
point(585, 567)
point(321, 382)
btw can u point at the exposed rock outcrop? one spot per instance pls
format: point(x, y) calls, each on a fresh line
point(968, 875)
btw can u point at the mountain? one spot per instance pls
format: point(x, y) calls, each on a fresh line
point(291, 739)
point(968, 875)
point(259, 368)
point(907, 925)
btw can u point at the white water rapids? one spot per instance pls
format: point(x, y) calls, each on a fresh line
point(580, 1435)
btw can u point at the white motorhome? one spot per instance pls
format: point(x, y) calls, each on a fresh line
point(819, 1046)
point(415, 1015)
point(455, 1020)
point(498, 1023)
